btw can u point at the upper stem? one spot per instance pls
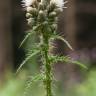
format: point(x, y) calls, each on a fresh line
point(48, 78)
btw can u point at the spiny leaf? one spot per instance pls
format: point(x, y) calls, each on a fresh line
point(66, 59)
point(35, 46)
point(30, 32)
point(61, 38)
point(36, 77)
point(79, 63)
point(55, 59)
point(25, 38)
point(30, 81)
point(29, 57)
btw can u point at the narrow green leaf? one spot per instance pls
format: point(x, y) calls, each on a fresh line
point(30, 81)
point(61, 38)
point(36, 77)
point(28, 58)
point(66, 59)
point(30, 32)
point(80, 64)
point(25, 38)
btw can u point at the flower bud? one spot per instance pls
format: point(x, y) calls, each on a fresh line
point(35, 4)
point(46, 23)
point(28, 15)
point(41, 13)
point(41, 16)
point(29, 9)
point(41, 6)
point(52, 14)
point(30, 21)
point(51, 7)
point(33, 11)
point(58, 10)
point(54, 26)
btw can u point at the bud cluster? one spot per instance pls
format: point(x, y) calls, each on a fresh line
point(43, 12)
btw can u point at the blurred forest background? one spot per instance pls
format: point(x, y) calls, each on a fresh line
point(77, 24)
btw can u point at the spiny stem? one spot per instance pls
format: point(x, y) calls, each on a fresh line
point(48, 78)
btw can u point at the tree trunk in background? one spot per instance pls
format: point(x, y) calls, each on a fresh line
point(5, 37)
point(70, 23)
point(70, 29)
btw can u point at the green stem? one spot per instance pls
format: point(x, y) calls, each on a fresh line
point(48, 77)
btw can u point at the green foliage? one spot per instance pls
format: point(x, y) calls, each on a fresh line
point(88, 87)
point(13, 87)
point(85, 88)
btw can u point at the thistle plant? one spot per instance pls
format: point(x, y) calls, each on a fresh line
point(42, 17)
